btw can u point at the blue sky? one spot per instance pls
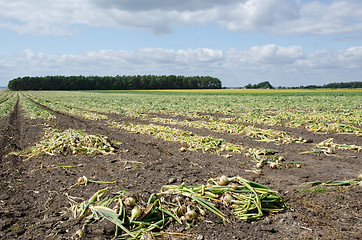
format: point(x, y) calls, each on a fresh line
point(286, 42)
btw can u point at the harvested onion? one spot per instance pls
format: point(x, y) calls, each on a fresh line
point(136, 212)
point(130, 201)
point(227, 199)
point(191, 215)
point(273, 165)
point(223, 180)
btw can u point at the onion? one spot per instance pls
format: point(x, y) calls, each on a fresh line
point(247, 154)
point(227, 199)
point(82, 179)
point(330, 151)
point(191, 215)
point(136, 212)
point(223, 180)
point(80, 233)
point(183, 219)
point(130, 201)
point(234, 186)
point(273, 165)
point(202, 212)
point(259, 165)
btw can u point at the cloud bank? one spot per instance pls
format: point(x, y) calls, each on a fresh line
point(61, 17)
point(287, 66)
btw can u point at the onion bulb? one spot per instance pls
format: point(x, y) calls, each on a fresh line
point(223, 180)
point(191, 215)
point(227, 199)
point(273, 165)
point(82, 179)
point(130, 201)
point(330, 151)
point(183, 219)
point(234, 186)
point(80, 233)
point(181, 210)
point(202, 212)
point(247, 154)
point(136, 212)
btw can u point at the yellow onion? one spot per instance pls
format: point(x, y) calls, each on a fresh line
point(273, 165)
point(330, 151)
point(136, 212)
point(227, 199)
point(191, 215)
point(181, 210)
point(130, 201)
point(183, 219)
point(202, 212)
point(80, 233)
point(223, 180)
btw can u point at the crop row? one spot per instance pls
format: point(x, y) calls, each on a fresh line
point(64, 107)
point(32, 111)
point(7, 107)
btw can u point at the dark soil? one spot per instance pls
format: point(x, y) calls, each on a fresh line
point(34, 204)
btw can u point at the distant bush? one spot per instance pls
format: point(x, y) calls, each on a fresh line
point(262, 85)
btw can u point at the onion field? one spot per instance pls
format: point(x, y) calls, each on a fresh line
point(181, 164)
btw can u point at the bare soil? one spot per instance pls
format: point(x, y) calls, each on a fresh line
point(34, 205)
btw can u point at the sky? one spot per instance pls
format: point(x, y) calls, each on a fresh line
point(286, 42)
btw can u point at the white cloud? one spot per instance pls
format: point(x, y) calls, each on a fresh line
point(60, 17)
point(234, 66)
point(335, 17)
point(164, 5)
point(257, 15)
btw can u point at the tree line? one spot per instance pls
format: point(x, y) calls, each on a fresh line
point(114, 82)
point(336, 85)
point(267, 85)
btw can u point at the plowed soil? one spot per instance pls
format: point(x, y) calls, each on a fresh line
point(34, 204)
